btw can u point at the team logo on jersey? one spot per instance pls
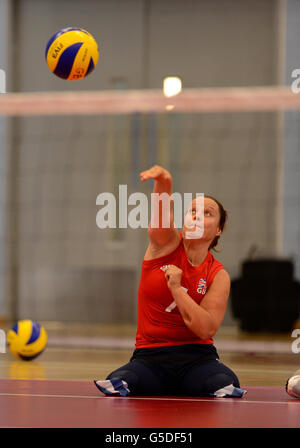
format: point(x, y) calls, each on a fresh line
point(201, 289)
point(165, 267)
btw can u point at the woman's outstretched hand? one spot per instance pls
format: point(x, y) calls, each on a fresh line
point(156, 172)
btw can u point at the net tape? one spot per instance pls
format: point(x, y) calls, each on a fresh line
point(149, 101)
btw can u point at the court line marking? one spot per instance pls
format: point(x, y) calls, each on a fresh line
point(212, 400)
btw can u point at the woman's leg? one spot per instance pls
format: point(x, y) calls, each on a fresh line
point(133, 378)
point(211, 379)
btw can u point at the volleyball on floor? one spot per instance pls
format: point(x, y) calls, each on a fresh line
point(293, 386)
point(72, 53)
point(27, 339)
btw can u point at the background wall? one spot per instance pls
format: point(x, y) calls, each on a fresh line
point(67, 268)
point(206, 42)
point(5, 20)
point(291, 143)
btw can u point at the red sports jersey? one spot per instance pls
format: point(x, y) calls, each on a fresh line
point(159, 320)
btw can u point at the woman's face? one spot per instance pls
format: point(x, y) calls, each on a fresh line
point(202, 222)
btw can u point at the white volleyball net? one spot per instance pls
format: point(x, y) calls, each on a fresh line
point(60, 150)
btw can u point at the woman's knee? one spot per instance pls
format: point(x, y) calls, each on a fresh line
point(141, 379)
point(213, 379)
point(224, 385)
point(219, 381)
point(125, 374)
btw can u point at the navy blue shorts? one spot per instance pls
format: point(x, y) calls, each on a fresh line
point(190, 370)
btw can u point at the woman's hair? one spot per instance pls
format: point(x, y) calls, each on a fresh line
point(222, 222)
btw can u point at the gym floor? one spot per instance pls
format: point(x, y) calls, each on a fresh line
point(56, 389)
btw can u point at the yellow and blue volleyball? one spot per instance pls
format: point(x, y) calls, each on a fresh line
point(27, 339)
point(72, 53)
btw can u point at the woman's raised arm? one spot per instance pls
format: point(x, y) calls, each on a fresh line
point(162, 233)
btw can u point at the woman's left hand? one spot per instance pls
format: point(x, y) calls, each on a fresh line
point(173, 276)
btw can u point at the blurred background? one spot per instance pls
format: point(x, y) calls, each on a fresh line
point(56, 265)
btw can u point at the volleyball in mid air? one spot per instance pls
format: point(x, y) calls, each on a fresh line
point(27, 339)
point(72, 53)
